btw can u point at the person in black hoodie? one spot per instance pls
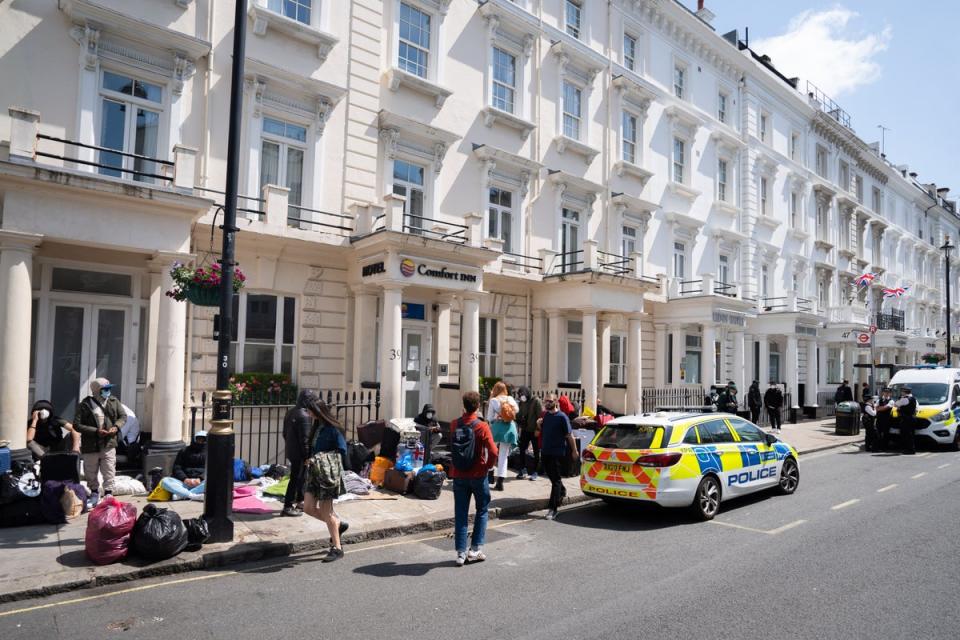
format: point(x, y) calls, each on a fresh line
point(429, 430)
point(754, 402)
point(297, 426)
point(189, 470)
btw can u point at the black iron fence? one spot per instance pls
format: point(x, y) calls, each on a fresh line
point(259, 428)
point(827, 400)
point(893, 320)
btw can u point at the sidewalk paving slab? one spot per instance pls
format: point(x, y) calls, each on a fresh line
point(42, 560)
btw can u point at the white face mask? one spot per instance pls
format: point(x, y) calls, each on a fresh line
point(523, 398)
point(44, 414)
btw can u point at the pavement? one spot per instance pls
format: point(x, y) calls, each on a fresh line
point(42, 560)
point(862, 550)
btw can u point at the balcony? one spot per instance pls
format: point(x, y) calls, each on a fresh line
point(590, 260)
point(890, 321)
point(706, 285)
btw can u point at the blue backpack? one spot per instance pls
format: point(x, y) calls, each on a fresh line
point(463, 445)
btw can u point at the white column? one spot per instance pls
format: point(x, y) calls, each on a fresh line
point(364, 328)
point(822, 353)
point(16, 269)
point(679, 353)
point(537, 368)
point(554, 351)
point(470, 338)
point(739, 370)
point(604, 351)
point(763, 375)
point(793, 373)
point(708, 363)
point(810, 389)
point(635, 366)
point(849, 358)
point(167, 420)
point(588, 357)
point(659, 355)
point(391, 353)
point(443, 339)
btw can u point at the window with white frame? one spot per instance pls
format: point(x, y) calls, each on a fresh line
point(679, 159)
point(722, 107)
point(570, 258)
point(629, 236)
point(282, 150)
point(877, 200)
point(414, 49)
point(858, 188)
point(680, 80)
point(822, 162)
point(723, 191)
point(764, 196)
point(408, 181)
point(797, 283)
point(765, 127)
point(574, 350)
point(298, 10)
point(130, 115)
point(504, 89)
point(264, 326)
point(795, 146)
point(765, 281)
point(679, 260)
point(723, 269)
point(843, 175)
point(618, 358)
point(629, 137)
point(500, 217)
point(573, 17)
point(630, 51)
point(823, 292)
point(833, 365)
point(794, 210)
point(822, 231)
point(692, 360)
point(572, 110)
point(489, 350)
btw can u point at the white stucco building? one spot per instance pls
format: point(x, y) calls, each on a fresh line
point(606, 195)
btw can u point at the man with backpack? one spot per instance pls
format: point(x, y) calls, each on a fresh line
point(474, 452)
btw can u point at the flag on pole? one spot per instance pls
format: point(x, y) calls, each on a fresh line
point(895, 292)
point(864, 280)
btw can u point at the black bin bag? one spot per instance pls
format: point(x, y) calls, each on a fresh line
point(159, 534)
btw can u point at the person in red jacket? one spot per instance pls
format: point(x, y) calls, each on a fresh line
point(472, 482)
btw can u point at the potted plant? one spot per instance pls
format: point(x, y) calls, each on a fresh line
point(201, 285)
point(260, 388)
point(933, 358)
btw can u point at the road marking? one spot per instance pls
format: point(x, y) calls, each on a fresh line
point(887, 488)
point(923, 455)
point(771, 532)
point(224, 574)
point(919, 475)
point(844, 505)
point(944, 466)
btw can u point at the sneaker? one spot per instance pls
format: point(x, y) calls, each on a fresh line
point(344, 525)
point(476, 555)
point(291, 512)
point(533, 476)
point(551, 515)
point(521, 475)
point(461, 558)
point(334, 554)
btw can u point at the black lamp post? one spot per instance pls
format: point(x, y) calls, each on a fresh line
point(218, 501)
point(947, 248)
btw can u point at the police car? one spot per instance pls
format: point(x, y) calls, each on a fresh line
point(690, 460)
point(937, 390)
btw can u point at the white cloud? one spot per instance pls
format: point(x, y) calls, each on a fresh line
point(821, 47)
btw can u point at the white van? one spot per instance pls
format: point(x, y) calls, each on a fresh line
point(937, 391)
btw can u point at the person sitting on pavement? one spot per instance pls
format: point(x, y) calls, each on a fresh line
point(45, 431)
point(99, 419)
point(189, 468)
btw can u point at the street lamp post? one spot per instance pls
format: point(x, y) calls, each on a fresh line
point(218, 499)
point(947, 248)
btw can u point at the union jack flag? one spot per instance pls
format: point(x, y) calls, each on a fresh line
point(895, 292)
point(864, 281)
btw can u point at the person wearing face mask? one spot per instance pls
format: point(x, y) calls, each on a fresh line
point(99, 418)
point(530, 411)
point(297, 426)
point(429, 429)
point(45, 431)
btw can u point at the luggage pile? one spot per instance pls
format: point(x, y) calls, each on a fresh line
point(398, 459)
point(53, 495)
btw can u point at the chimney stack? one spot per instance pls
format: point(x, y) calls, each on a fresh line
point(703, 13)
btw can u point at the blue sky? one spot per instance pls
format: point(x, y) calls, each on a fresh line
point(884, 61)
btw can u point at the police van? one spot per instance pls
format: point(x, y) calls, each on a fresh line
point(937, 391)
point(693, 460)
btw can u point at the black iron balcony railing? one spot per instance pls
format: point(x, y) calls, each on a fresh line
point(891, 321)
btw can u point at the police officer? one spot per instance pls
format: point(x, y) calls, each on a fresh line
point(907, 411)
point(884, 411)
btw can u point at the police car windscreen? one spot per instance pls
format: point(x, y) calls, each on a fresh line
point(926, 392)
point(626, 436)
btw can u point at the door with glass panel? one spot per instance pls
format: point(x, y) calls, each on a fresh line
point(89, 341)
point(129, 123)
point(570, 258)
point(416, 370)
point(281, 162)
point(408, 182)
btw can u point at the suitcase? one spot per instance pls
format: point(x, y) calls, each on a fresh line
point(398, 481)
point(21, 513)
point(62, 466)
point(389, 444)
point(4, 459)
point(371, 433)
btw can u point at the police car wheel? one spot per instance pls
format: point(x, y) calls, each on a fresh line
point(706, 502)
point(789, 477)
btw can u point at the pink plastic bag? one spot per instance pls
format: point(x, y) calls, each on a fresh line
point(108, 530)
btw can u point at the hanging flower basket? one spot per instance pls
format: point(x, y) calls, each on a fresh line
point(201, 285)
point(933, 358)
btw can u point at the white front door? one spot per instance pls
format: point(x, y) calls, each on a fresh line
point(89, 341)
point(417, 370)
